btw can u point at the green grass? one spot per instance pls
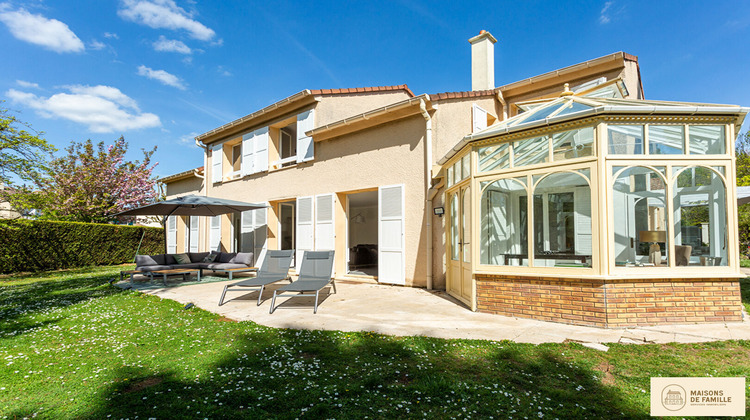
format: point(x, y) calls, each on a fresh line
point(71, 346)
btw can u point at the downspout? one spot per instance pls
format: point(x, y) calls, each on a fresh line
point(428, 184)
point(205, 162)
point(501, 99)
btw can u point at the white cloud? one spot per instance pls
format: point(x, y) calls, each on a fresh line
point(111, 35)
point(164, 14)
point(223, 71)
point(104, 109)
point(37, 29)
point(603, 15)
point(28, 85)
point(161, 76)
point(96, 45)
point(171, 45)
point(188, 139)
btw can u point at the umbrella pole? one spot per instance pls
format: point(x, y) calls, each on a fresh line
point(139, 244)
point(164, 226)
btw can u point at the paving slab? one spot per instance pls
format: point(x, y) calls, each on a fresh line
point(405, 311)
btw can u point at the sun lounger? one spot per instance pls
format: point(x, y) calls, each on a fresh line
point(315, 274)
point(275, 267)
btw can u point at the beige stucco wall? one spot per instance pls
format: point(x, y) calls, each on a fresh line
point(385, 155)
point(335, 108)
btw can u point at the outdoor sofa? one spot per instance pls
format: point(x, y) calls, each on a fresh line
point(218, 261)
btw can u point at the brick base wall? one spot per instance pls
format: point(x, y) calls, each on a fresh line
point(611, 303)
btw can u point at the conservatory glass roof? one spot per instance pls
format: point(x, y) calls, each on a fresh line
point(572, 106)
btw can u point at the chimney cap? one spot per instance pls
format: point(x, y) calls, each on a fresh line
point(482, 35)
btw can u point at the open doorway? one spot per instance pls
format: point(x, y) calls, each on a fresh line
point(286, 226)
point(363, 233)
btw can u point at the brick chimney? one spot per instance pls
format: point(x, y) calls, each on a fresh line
point(483, 61)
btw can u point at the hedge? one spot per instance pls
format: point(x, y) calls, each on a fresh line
point(35, 245)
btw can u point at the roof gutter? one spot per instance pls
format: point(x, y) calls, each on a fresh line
point(256, 114)
point(561, 72)
point(421, 100)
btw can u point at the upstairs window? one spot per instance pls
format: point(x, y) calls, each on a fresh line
point(288, 145)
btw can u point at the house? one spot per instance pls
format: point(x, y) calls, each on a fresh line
point(566, 196)
point(6, 210)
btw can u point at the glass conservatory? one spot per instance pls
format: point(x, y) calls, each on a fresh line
point(578, 202)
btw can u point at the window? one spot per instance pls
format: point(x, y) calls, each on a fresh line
point(562, 221)
point(573, 144)
point(700, 217)
point(531, 151)
point(639, 206)
point(503, 223)
point(707, 140)
point(625, 139)
point(666, 139)
point(237, 158)
point(288, 145)
point(454, 227)
point(459, 170)
point(493, 158)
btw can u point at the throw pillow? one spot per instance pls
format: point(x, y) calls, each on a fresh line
point(143, 260)
point(210, 257)
point(182, 258)
point(225, 257)
point(243, 258)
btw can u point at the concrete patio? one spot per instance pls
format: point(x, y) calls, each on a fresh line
point(403, 311)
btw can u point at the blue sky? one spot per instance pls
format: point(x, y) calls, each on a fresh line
point(160, 72)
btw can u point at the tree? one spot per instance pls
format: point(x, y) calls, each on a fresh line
point(90, 184)
point(23, 154)
point(742, 160)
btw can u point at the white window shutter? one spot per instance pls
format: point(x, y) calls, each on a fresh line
point(325, 235)
point(391, 261)
point(172, 235)
point(215, 233)
point(305, 146)
point(248, 153)
point(261, 236)
point(479, 118)
point(194, 233)
point(261, 150)
point(305, 228)
point(216, 160)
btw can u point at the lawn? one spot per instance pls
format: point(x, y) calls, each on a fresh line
point(72, 346)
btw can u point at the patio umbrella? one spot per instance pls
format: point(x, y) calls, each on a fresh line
point(190, 205)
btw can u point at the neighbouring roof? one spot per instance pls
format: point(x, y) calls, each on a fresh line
point(301, 97)
point(573, 107)
point(186, 174)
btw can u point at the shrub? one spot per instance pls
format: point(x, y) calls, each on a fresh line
point(36, 245)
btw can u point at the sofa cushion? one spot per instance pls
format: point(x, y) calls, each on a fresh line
point(210, 257)
point(160, 259)
point(197, 256)
point(243, 258)
point(225, 257)
point(144, 260)
point(190, 265)
point(154, 268)
point(182, 259)
point(225, 266)
point(170, 259)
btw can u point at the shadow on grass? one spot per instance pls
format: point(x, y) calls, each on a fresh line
point(48, 291)
point(317, 374)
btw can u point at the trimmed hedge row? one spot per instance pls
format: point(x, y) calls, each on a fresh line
point(35, 245)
